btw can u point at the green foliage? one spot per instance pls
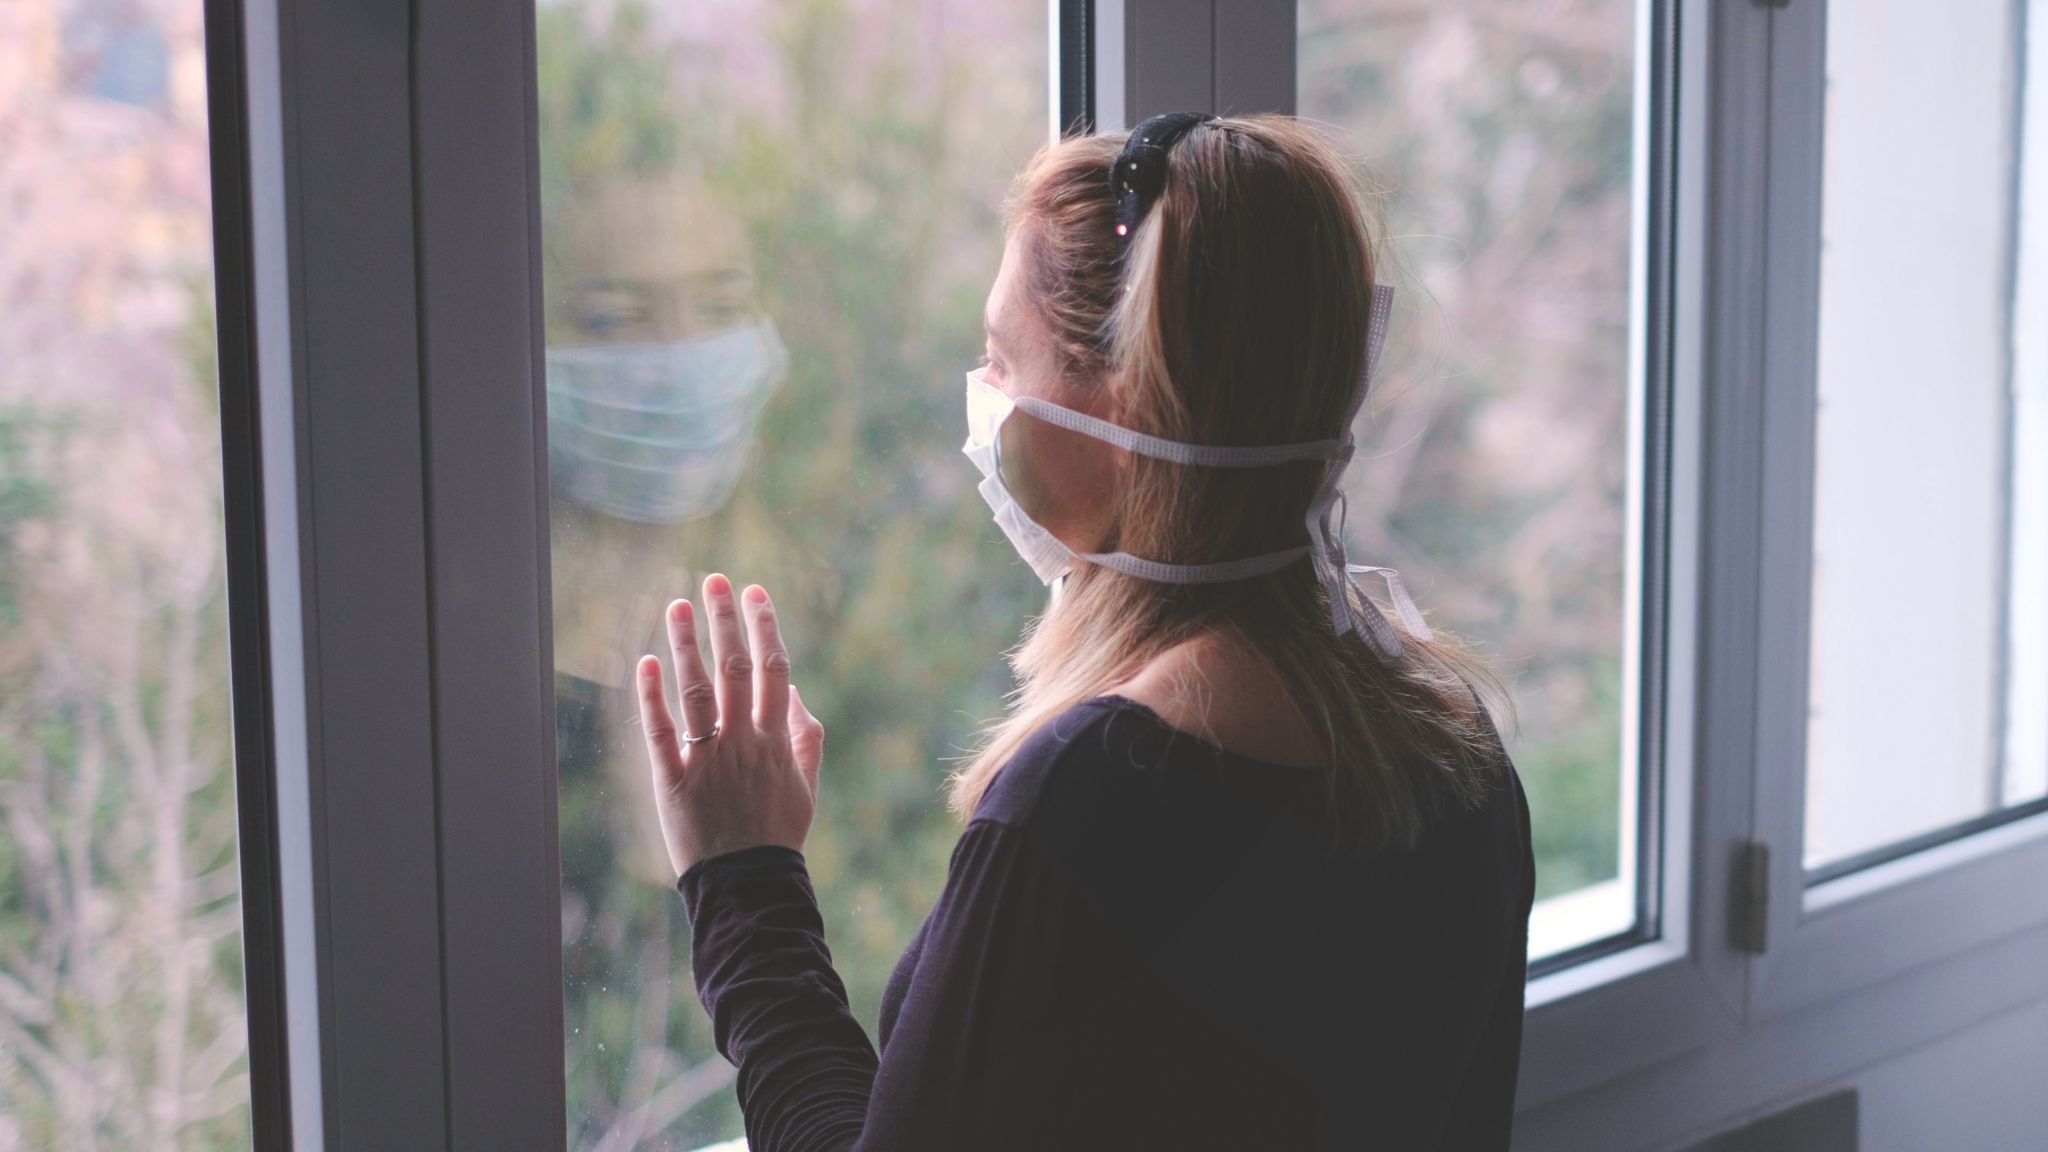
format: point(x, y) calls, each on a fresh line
point(24, 495)
point(604, 96)
point(1575, 819)
point(118, 895)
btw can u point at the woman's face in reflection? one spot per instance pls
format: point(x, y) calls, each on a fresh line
point(651, 261)
point(1062, 479)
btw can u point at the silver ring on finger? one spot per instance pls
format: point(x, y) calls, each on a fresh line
point(689, 739)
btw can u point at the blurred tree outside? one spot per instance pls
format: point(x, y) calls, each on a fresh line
point(121, 1009)
point(1493, 473)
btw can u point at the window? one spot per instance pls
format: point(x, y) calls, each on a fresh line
point(1506, 473)
point(767, 236)
point(1910, 853)
point(121, 982)
point(1929, 673)
point(757, 238)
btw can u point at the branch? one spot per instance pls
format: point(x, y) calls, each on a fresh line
point(37, 1058)
point(23, 1005)
point(124, 694)
point(227, 1047)
point(210, 888)
point(649, 1055)
point(687, 1091)
point(218, 1100)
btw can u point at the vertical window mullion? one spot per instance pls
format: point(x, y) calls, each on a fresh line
point(483, 417)
point(1790, 270)
point(270, 1115)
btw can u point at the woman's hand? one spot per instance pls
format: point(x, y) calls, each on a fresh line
point(755, 781)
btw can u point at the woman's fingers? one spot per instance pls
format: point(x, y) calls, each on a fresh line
point(660, 728)
point(771, 662)
point(699, 698)
point(732, 664)
point(806, 738)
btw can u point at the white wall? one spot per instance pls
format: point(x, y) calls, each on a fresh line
point(1985, 1087)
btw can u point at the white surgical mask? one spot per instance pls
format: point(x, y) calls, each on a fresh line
point(988, 407)
point(658, 433)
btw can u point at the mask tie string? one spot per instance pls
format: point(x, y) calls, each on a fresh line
point(1350, 608)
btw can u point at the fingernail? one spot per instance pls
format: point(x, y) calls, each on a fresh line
point(718, 585)
point(756, 594)
point(679, 611)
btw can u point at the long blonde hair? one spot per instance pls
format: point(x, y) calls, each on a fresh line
point(1238, 316)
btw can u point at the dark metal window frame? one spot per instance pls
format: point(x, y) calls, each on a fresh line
point(376, 231)
point(256, 815)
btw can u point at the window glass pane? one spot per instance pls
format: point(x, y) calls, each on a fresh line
point(1928, 683)
point(121, 1004)
point(1502, 469)
point(769, 229)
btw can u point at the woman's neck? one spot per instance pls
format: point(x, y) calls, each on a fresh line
point(1221, 691)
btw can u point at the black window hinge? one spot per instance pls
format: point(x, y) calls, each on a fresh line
point(1749, 903)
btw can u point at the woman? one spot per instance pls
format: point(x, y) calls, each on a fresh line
point(1245, 866)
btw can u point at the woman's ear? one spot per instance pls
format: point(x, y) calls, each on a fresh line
point(1100, 393)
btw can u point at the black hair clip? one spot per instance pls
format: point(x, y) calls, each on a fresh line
point(1139, 174)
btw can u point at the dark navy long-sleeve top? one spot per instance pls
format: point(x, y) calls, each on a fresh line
point(1139, 945)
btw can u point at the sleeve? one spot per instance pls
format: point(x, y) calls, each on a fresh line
point(978, 1043)
point(778, 1010)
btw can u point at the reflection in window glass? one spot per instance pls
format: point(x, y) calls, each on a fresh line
point(769, 229)
point(121, 1005)
point(1502, 471)
point(1930, 583)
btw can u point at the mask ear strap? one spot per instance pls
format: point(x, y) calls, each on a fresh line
point(1375, 338)
point(1174, 451)
point(1351, 609)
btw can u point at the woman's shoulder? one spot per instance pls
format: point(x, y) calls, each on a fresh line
point(1142, 821)
point(1065, 752)
point(1109, 765)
